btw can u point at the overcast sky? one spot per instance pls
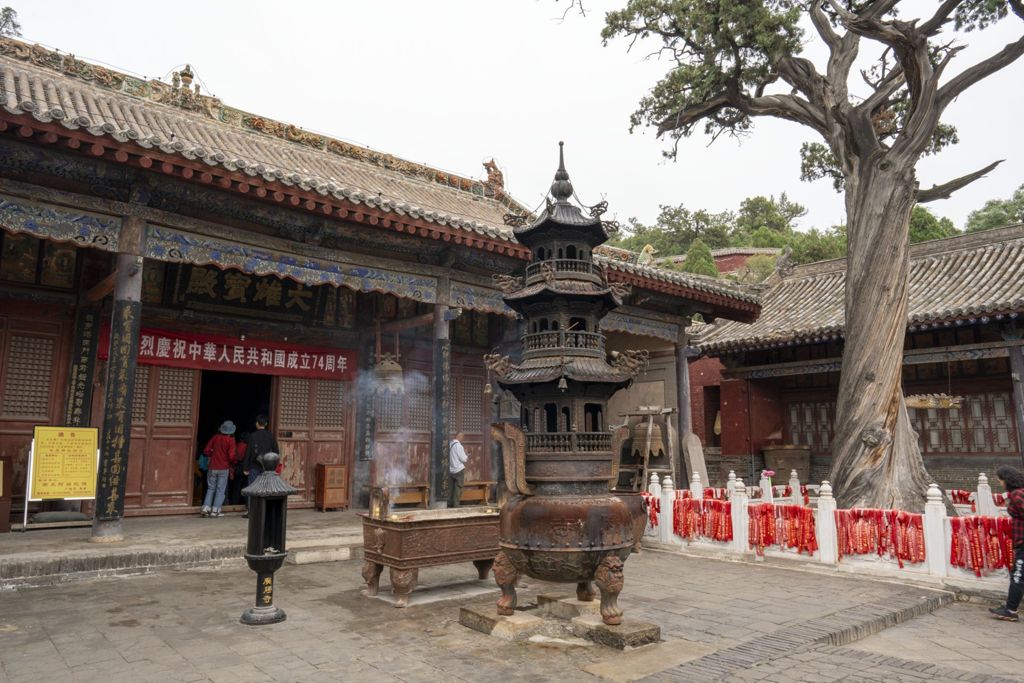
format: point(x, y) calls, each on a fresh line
point(452, 83)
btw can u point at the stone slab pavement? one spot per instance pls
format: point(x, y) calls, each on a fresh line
point(758, 622)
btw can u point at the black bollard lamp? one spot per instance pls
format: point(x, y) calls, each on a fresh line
point(265, 551)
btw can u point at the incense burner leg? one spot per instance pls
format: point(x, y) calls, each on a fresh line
point(403, 582)
point(483, 568)
point(609, 579)
point(371, 575)
point(585, 591)
point(505, 576)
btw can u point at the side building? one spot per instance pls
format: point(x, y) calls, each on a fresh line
point(774, 382)
point(168, 262)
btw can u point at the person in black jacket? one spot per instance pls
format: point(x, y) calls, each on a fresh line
point(258, 442)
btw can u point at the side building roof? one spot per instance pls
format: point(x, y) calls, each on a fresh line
point(967, 277)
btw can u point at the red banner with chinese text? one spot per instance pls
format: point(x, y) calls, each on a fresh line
point(205, 352)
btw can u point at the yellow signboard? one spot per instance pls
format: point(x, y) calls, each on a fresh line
point(63, 463)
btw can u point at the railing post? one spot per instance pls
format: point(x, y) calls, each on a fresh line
point(696, 489)
point(935, 550)
point(767, 495)
point(986, 505)
point(825, 525)
point(740, 524)
point(665, 523)
point(653, 488)
point(794, 485)
point(730, 484)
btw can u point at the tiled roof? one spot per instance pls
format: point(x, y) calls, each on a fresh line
point(967, 277)
point(151, 114)
point(176, 120)
point(549, 369)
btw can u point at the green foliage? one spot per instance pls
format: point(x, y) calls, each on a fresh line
point(818, 245)
point(924, 225)
point(676, 229)
point(699, 260)
point(757, 269)
point(9, 25)
point(777, 216)
point(714, 47)
point(998, 212)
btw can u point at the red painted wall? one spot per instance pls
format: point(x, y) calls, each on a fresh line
point(735, 417)
point(731, 263)
point(704, 372)
point(766, 414)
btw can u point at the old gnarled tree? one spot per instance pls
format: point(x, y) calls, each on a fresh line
point(738, 59)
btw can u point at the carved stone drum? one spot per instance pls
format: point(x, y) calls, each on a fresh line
point(562, 522)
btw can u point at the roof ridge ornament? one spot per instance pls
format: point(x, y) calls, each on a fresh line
point(561, 188)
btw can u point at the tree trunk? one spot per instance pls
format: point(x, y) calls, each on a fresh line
point(876, 460)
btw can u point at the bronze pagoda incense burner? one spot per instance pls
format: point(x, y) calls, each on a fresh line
point(562, 522)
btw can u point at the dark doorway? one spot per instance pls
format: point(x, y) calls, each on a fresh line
point(712, 416)
point(234, 396)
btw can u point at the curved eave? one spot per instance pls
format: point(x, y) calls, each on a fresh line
point(592, 228)
point(724, 304)
point(302, 194)
point(837, 332)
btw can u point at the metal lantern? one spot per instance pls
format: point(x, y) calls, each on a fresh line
point(265, 551)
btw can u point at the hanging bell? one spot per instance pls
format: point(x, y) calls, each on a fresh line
point(562, 384)
point(488, 390)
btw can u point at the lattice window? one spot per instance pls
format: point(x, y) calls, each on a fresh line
point(174, 397)
point(418, 404)
point(330, 404)
point(811, 424)
point(29, 368)
point(293, 402)
point(140, 401)
point(983, 424)
point(388, 410)
point(471, 407)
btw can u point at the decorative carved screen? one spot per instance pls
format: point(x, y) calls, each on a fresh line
point(810, 423)
point(330, 404)
point(294, 402)
point(29, 366)
point(471, 405)
point(983, 424)
point(174, 398)
point(418, 403)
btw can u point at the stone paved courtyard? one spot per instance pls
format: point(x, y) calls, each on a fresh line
point(756, 622)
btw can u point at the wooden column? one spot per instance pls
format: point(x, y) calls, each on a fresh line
point(1017, 377)
point(683, 387)
point(120, 385)
point(442, 394)
point(83, 366)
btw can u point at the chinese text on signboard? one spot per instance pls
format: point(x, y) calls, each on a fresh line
point(63, 463)
point(181, 349)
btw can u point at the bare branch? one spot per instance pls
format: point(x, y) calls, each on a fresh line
point(886, 88)
point(941, 16)
point(945, 190)
point(965, 79)
point(822, 25)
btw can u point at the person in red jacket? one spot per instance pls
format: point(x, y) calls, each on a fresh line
point(1013, 482)
point(221, 451)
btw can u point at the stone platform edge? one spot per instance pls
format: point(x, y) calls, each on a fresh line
point(36, 569)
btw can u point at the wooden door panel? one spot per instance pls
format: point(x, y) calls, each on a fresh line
point(136, 462)
point(294, 455)
point(165, 481)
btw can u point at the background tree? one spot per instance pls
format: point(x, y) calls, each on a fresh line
point(777, 216)
point(676, 229)
point(699, 260)
point(925, 225)
point(9, 25)
point(735, 61)
point(998, 212)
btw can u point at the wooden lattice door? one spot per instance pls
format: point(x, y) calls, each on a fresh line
point(313, 425)
point(162, 451)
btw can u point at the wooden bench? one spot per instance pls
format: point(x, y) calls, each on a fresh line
point(477, 492)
